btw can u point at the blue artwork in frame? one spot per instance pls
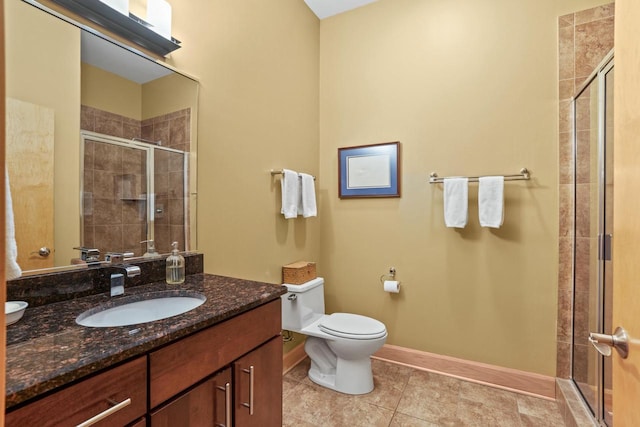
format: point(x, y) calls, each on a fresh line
point(369, 170)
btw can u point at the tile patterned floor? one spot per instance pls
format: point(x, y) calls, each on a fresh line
point(406, 397)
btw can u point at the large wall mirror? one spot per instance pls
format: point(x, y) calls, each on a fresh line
point(101, 143)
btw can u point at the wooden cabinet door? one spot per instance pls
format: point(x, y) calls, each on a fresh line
point(258, 386)
point(141, 423)
point(208, 404)
point(180, 365)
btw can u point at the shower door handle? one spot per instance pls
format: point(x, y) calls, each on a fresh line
point(604, 343)
point(604, 246)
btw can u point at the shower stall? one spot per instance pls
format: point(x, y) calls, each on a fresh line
point(593, 209)
point(132, 193)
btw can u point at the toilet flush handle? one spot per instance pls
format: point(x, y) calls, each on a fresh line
point(292, 297)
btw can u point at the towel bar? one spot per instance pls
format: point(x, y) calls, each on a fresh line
point(275, 172)
point(523, 175)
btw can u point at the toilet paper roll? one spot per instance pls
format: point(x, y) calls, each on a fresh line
point(392, 286)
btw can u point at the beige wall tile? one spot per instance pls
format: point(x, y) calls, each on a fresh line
point(566, 116)
point(565, 318)
point(563, 362)
point(565, 144)
point(566, 20)
point(583, 210)
point(595, 14)
point(566, 52)
point(566, 210)
point(565, 270)
point(566, 89)
point(593, 41)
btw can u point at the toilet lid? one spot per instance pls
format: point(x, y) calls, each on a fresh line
point(354, 326)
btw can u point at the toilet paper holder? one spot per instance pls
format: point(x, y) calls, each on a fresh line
point(390, 275)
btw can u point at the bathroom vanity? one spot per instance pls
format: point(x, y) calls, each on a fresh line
point(218, 364)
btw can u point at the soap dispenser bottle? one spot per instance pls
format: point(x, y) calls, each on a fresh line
point(175, 266)
point(151, 249)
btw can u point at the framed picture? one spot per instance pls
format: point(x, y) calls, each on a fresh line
point(369, 170)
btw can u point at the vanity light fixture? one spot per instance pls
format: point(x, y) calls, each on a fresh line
point(121, 6)
point(159, 16)
point(128, 26)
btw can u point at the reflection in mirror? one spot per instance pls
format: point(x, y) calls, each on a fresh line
point(80, 105)
point(118, 176)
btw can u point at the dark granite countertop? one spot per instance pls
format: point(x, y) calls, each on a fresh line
point(47, 349)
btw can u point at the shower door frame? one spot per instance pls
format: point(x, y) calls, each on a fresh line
point(150, 183)
point(599, 74)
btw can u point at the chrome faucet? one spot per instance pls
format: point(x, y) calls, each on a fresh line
point(117, 280)
point(117, 261)
point(89, 255)
point(130, 270)
point(117, 284)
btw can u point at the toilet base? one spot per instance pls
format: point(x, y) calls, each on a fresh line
point(328, 370)
point(325, 380)
point(358, 381)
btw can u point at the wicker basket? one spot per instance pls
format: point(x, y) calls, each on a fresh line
point(299, 272)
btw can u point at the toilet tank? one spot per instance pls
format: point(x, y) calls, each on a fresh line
point(302, 304)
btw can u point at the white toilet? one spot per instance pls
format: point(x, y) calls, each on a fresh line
point(339, 345)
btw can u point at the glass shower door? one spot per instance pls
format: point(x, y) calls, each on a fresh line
point(133, 192)
point(114, 196)
point(593, 272)
point(607, 276)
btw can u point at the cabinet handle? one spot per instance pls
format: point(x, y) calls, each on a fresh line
point(250, 404)
point(104, 414)
point(227, 405)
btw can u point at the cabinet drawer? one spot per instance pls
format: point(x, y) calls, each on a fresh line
point(82, 401)
point(180, 365)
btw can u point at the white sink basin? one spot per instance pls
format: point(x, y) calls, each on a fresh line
point(133, 311)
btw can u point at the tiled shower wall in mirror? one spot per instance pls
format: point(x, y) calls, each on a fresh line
point(115, 214)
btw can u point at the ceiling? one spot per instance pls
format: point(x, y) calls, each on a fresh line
point(326, 8)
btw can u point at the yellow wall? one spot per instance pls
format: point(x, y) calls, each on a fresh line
point(468, 88)
point(36, 41)
point(109, 92)
point(257, 64)
point(167, 94)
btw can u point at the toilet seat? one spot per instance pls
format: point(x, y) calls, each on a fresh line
point(352, 326)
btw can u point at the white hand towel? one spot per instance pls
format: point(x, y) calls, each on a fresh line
point(12, 269)
point(290, 193)
point(456, 202)
point(491, 201)
point(308, 195)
